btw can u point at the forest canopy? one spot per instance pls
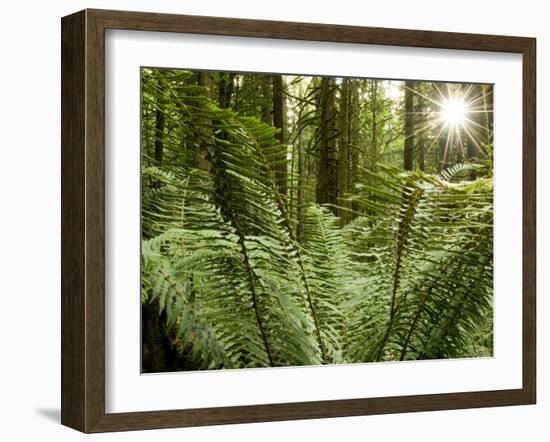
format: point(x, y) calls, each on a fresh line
point(296, 220)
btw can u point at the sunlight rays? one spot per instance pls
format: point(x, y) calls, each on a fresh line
point(455, 117)
point(453, 112)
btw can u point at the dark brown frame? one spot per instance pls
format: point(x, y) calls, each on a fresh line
point(83, 215)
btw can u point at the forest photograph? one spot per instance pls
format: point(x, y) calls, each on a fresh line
point(297, 220)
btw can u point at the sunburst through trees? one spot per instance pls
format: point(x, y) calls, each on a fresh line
point(460, 115)
point(295, 220)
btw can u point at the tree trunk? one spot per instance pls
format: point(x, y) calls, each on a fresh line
point(421, 161)
point(327, 177)
point(443, 148)
point(159, 129)
point(419, 109)
point(225, 92)
point(442, 141)
point(152, 345)
point(300, 193)
point(344, 153)
point(354, 131)
point(279, 122)
point(409, 126)
point(226, 89)
point(487, 110)
point(354, 138)
point(202, 160)
point(266, 103)
point(372, 157)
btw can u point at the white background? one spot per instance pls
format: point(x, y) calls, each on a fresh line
point(128, 391)
point(30, 191)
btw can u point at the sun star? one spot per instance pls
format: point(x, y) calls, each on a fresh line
point(454, 111)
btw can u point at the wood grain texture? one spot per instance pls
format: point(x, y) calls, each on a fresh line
point(529, 220)
point(145, 21)
point(83, 218)
point(95, 222)
point(73, 255)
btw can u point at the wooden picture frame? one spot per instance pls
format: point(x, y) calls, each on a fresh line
point(83, 220)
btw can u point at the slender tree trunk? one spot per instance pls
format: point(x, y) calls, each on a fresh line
point(372, 156)
point(354, 137)
point(147, 134)
point(300, 193)
point(469, 146)
point(327, 179)
point(266, 103)
point(408, 151)
point(236, 99)
point(225, 92)
point(481, 128)
point(159, 131)
point(226, 85)
point(354, 131)
point(421, 138)
point(279, 123)
point(324, 167)
point(202, 160)
point(488, 114)
point(443, 141)
point(344, 153)
point(443, 148)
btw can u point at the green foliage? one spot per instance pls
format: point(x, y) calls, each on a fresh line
point(410, 277)
point(427, 250)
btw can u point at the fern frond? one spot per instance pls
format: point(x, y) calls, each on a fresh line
point(428, 247)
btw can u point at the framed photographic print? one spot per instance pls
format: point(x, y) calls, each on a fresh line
point(269, 220)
